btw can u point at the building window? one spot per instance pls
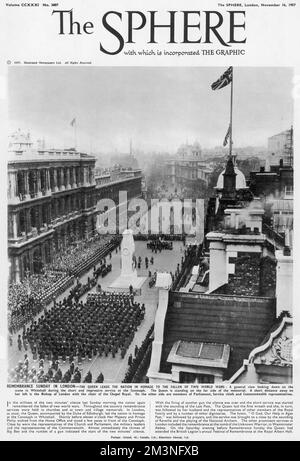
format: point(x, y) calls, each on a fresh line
point(288, 191)
point(196, 378)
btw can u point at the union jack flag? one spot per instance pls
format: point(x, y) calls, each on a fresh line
point(224, 80)
point(227, 136)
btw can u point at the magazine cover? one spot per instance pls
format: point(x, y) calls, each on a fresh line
point(148, 245)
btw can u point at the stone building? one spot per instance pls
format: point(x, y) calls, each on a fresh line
point(280, 148)
point(204, 335)
point(110, 184)
point(204, 338)
point(188, 169)
point(52, 198)
point(272, 361)
point(275, 186)
point(277, 182)
point(214, 327)
point(50, 203)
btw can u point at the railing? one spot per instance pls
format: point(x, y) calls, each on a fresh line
point(272, 234)
point(191, 259)
point(176, 296)
point(32, 195)
point(23, 237)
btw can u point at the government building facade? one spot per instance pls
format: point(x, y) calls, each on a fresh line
point(52, 201)
point(188, 169)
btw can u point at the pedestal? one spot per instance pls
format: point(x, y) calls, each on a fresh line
point(128, 273)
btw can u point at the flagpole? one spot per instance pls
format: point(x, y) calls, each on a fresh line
point(75, 134)
point(231, 104)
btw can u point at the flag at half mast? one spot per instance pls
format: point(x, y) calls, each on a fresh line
point(73, 122)
point(227, 136)
point(223, 81)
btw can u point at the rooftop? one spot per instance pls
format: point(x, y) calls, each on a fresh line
point(34, 155)
point(200, 354)
point(240, 322)
point(22, 149)
point(114, 177)
point(276, 349)
point(282, 133)
point(240, 180)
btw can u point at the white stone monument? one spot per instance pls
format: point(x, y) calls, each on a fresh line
point(128, 272)
point(127, 252)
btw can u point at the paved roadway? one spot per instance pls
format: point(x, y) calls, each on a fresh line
point(114, 369)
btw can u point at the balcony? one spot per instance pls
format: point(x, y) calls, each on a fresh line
point(45, 192)
point(65, 218)
point(19, 239)
point(34, 231)
point(63, 188)
point(57, 220)
point(44, 228)
point(20, 198)
point(24, 238)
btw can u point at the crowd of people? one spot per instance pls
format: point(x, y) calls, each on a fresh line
point(53, 374)
point(71, 331)
point(159, 245)
point(160, 236)
point(138, 261)
point(81, 288)
point(141, 355)
point(78, 253)
point(26, 299)
point(105, 324)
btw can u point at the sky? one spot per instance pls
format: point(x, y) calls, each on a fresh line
point(159, 108)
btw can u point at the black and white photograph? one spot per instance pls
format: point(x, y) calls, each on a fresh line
point(150, 224)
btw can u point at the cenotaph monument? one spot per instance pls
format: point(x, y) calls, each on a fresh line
point(128, 272)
